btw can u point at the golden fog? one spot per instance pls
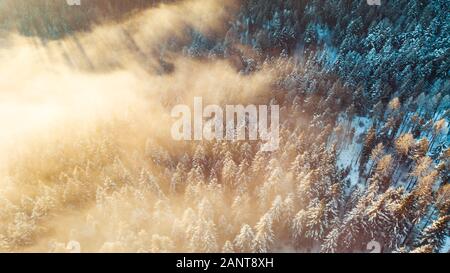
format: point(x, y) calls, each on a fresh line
point(85, 147)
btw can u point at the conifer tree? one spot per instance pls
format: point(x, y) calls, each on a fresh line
point(331, 241)
point(369, 143)
point(264, 236)
point(244, 240)
point(228, 247)
point(434, 235)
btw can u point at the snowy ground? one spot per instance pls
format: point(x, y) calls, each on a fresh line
point(348, 156)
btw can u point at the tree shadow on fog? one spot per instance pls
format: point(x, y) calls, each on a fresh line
point(58, 28)
point(55, 19)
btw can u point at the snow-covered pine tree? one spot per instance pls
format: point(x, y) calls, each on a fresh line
point(264, 236)
point(376, 154)
point(381, 178)
point(403, 145)
point(369, 143)
point(435, 235)
point(228, 247)
point(244, 240)
point(318, 220)
point(423, 249)
point(229, 170)
point(331, 241)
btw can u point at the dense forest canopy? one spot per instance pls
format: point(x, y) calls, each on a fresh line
point(365, 108)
